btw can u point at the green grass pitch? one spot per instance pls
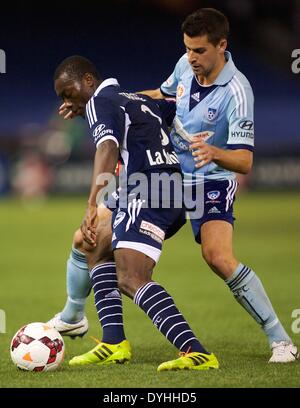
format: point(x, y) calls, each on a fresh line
point(35, 243)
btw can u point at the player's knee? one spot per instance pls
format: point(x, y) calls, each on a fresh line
point(77, 239)
point(125, 283)
point(134, 270)
point(100, 254)
point(80, 244)
point(129, 282)
point(217, 260)
point(95, 258)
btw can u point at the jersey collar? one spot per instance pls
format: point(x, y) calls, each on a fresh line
point(105, 83)
point(227, 72)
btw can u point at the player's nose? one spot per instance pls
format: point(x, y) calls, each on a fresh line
point(191, 57)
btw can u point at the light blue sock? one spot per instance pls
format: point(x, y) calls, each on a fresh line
point(78, 287)
point(249, 292)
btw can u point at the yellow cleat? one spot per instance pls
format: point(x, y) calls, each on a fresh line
point(190, 361)
point(104, 353)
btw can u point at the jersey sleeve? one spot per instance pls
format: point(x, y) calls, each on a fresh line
point(106, 120)
point(168, 109)
point(240, 116)
point(169, 87)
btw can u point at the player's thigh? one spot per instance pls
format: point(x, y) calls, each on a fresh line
point(134, 269)
point(216, 237)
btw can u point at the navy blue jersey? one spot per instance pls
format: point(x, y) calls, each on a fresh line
point(137, 124)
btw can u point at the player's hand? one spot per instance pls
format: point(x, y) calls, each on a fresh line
point(65, 111)
point(203, 153)
point(89, 225)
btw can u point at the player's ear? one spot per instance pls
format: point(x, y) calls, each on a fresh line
point(88, 79)
point(222, 45)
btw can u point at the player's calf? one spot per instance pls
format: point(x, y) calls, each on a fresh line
point(71, 321)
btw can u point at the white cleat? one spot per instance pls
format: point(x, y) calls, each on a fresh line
point(69, 329)
point(283, 352)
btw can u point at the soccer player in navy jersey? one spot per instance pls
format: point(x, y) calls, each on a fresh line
point(213, 136)
point(130, 127)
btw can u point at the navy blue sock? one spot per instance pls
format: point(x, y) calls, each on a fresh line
point(161, 309)
point(108, 302)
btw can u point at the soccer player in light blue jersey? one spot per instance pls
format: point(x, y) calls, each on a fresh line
point(213, 137)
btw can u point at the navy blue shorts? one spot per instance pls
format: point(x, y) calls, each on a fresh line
point(145, 229)
point(219, 197)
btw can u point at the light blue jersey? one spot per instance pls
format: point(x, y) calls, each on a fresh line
point(223, 110)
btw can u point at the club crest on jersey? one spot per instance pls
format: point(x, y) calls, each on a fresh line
point(119, 218)
point(211, 113)
point(213, 195)
point(180, 91)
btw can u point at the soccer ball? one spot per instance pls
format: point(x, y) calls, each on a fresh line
point(37, 347)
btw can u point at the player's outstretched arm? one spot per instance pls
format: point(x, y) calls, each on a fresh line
point(153, 93)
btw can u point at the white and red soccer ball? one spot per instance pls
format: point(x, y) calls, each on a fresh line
point(37, 347)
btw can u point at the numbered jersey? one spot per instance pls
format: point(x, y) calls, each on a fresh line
point(137, 124)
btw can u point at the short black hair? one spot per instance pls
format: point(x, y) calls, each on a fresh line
point(76, 67)
point(207, 21)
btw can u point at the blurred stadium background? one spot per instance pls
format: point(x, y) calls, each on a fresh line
point(138, 42)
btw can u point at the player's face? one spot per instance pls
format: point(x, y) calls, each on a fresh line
point(75, 94)
point(203, 55)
